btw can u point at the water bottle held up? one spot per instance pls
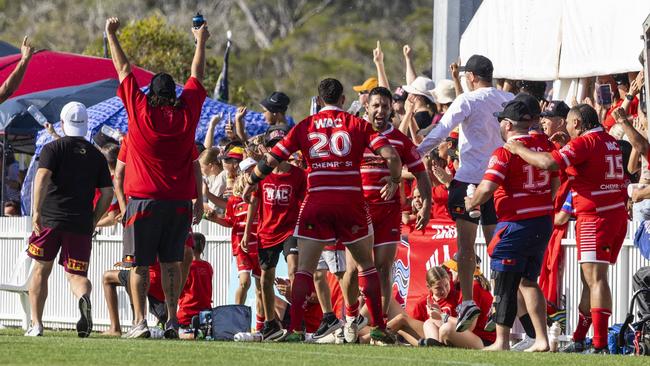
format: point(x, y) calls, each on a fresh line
point(197, 20)
point(111, 132)
point(355, 107)
point(471, 188)
point(38, 116)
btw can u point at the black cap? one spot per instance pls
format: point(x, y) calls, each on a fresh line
point(163, 85)
point(515, 110)
point(531, 102)
point(274, 134)
point(479, 66)
point(556, 108)
point(621, 79)
point(277, 102)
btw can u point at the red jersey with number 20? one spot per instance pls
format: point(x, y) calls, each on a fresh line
point(332, 142)
point(594, 164)
point(374, 168)
point(524, 191)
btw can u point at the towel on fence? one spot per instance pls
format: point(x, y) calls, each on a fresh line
point(642, 239)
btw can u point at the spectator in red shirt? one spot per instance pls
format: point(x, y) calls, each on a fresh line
point(197, 292)
point(155, 297)
point(162, 176)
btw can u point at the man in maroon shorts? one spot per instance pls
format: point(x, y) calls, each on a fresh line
point(69, 170)
point(332, 142)
point(162, 176)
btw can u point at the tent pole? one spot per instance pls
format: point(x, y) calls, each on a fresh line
point(4, 153)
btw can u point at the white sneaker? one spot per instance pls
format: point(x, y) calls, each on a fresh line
point(350, 331)
point(34, 331)
point(524, 344)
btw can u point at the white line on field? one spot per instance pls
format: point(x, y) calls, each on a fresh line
point(384, 358)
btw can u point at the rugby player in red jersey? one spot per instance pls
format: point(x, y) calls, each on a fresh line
point(594, 163)
point(386, 214)
point(332, 142)
point(275, 204)
point(523, 198)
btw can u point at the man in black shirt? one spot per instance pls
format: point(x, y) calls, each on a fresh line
point(69, 171)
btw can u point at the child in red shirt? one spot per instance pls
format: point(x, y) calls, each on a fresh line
point(197, 293)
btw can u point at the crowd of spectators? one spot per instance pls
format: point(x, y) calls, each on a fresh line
point(454, 127)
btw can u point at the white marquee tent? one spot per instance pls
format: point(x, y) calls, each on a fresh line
point(557, 39)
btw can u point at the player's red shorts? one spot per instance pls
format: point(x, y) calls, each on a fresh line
point(321, 221)
point(386, 223)
point(75, 249)
point(600, 238)
point(248, 262)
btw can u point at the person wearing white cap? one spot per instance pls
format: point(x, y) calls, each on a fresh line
point(63, 216)
point(478, 137)
point(420, 105)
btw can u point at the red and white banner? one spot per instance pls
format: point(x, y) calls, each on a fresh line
point(418, 252)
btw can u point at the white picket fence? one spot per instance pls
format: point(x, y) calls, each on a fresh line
point(61, 310)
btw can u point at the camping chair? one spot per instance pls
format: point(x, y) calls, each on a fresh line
point(18, 283)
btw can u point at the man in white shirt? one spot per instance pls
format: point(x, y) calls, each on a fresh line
point(478, 138)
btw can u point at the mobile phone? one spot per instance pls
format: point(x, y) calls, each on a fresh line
point(604, 94)
point(643, 101)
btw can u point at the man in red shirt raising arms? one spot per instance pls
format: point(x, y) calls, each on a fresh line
point(332, 142)
point(162, 175)
point(524, 206)
point(594, 163)
point(386, 214)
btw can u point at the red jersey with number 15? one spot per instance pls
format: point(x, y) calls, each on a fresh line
point(594, 164)
point(374, 168)
point(524, 191)
point(332, 142)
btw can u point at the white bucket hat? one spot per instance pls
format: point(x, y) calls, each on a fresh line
point(75, 119)
point(445, 91)
point(421, 86)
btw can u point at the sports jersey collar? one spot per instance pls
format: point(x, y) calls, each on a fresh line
point(517, 137)
point(597, 129)
point(389, 130)
point(331, 108)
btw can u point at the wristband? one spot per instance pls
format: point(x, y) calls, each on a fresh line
point(629, 97)
point(263, 167)
point(253, 178)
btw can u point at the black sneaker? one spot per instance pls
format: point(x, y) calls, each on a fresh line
point(85, 323)
point(466, 315)
point(171, 330)
point(574, 347)
point(328, 325)
point(596, 351)
point(272, 331)
point(430, 342)
point(491, 324)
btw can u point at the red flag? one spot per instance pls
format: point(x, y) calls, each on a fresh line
point(552, 268)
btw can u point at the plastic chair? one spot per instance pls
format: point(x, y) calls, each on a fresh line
point(19, 282)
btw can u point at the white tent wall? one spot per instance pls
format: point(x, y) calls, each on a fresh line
point(557, 39)
point(522, 38)
point(601, 37)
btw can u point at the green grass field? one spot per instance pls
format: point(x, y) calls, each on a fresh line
point(64, 348)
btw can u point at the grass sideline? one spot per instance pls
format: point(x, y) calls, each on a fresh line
point(64, 348)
